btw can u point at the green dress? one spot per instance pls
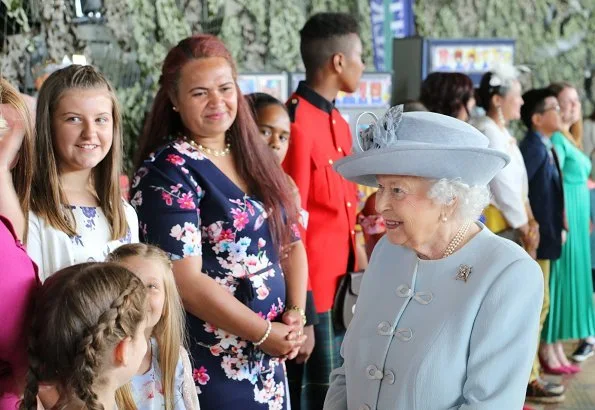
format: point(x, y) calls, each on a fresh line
point(571, 314)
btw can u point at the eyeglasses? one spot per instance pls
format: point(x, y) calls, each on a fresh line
point(554, 108)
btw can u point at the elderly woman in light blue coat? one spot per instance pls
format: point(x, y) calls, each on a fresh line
point(448, 312)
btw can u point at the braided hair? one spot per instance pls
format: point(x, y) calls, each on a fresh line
point(81, 312)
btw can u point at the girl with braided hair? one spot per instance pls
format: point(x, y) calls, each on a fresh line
point(87, 336)
point(165, 378)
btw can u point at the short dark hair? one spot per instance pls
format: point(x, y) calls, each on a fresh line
point(446, 93)
point(534, 102)
point(323, 35)
point(260, 100)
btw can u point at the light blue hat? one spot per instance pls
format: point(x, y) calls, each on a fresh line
point(422, 144)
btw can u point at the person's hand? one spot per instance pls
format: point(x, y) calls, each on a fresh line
point(282, 340)
point(307, 348)
point(294, 319)
point(285, 250)
point(11, 138)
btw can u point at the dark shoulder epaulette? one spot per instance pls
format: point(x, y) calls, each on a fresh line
point(292, 108)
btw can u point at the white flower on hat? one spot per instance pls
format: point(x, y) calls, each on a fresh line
point(503, 74)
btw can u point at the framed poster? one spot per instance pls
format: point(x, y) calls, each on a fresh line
point(275, 84)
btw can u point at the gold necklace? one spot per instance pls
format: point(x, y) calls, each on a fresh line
point(215, 152)
point(456, 241)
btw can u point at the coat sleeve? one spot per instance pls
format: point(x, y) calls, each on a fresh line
point(504, 340)
point(298, 162)
point(534, 160)
point(336, 396)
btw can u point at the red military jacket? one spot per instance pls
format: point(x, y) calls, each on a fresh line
point(319, 137)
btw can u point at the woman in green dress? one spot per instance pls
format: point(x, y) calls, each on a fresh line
point(571, 313)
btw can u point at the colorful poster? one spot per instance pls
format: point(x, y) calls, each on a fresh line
point(273, 84)
point(469, 58)
point(374, 90)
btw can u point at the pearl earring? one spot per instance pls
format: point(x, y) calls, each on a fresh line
point(175, 108)
point(444, 219)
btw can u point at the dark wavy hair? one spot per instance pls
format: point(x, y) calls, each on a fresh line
point(446, 93)
point(253, 160)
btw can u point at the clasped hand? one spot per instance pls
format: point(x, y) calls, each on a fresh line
point(286, 338)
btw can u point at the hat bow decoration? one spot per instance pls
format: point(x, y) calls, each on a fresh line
point(382, 133)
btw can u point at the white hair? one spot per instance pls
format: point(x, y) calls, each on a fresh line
point(471, 200)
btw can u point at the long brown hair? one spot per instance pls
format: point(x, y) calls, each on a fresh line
point(81, 313)
point(575, 133)
point(48, 197)
point(252, 158)
point(170, 331)
point(22, 174)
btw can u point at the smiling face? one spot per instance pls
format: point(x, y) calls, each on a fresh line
point(412, 219)
point(82, 128)
point(207, 97)
point(274, 125)
point(570, 105)
point(152, 273)
point(511, 102)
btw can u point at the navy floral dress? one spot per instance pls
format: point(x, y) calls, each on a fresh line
point(188, 207)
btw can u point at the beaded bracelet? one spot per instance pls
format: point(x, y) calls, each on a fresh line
point(266, 334)
point(301, 312)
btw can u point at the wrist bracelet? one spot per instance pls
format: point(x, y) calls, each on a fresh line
point(301, 311)
point(266, 334)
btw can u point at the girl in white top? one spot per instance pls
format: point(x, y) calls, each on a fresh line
point(165, 379)
point(77, 212)
point(500, 96)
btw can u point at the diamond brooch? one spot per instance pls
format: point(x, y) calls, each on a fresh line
point(463, 273)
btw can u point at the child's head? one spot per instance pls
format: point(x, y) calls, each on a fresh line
point(165, 319)
point(541, 111)
point(78, 121)
point(273, 122)
point(154, 269)
point(78, 127)
point(87, 332)
point(331, 47)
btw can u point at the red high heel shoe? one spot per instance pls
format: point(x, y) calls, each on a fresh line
point(553, 370)
point(573, 369)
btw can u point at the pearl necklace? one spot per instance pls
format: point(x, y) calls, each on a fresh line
point(456, 241)
point(215, 152)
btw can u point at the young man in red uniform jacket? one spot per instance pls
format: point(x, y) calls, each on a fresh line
point(332, 54)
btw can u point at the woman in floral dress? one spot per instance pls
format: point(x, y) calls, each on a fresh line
point(211, 194)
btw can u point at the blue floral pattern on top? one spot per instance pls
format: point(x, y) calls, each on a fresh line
point(92, 227)
point(188, 207)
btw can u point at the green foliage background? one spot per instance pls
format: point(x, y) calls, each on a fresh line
point(555, 38)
